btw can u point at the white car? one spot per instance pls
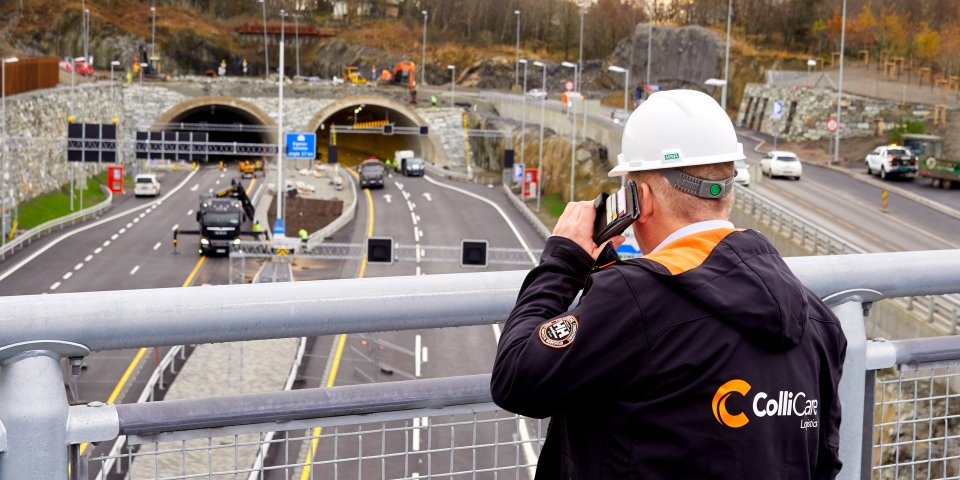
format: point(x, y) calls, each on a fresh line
point(781, 164)
point(743, 173)
point(892, 160)
point(147, 185)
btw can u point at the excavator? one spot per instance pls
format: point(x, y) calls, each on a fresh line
point(404, 73)
point(352, 75)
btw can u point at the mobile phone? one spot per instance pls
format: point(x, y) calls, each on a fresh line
point(615, 212)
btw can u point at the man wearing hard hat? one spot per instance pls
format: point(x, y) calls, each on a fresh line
point(706, 358)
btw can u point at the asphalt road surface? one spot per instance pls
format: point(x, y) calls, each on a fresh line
point(852, 209)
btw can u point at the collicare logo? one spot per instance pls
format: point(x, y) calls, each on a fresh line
point(785, 404)
point(720, 403)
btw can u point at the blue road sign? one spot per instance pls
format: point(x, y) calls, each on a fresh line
point(517, 172)
point(627, 251)
point(777, 110)
point(278, 227)
point(302, 145)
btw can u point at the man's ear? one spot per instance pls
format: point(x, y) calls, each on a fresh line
point(646, 203)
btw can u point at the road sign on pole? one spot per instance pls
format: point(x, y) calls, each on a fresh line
point(832, 125)
point(302, 145)
point(777, 110)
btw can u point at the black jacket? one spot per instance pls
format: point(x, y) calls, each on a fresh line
point(706, 360)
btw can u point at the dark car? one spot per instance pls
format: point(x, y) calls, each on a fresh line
point(412, 167)
point(372, 172)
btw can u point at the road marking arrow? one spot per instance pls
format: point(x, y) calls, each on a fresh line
point(388, 198)
point(427, 196)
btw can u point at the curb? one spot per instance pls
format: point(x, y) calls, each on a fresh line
point(528, 214)
point(346, 217)
point(916, 198)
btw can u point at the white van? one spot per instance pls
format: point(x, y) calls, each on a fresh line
point(147, 185)
point(399, 156)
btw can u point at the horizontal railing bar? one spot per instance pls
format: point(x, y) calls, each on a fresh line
point(280, 407)
point(918, 351)
point(177, 316)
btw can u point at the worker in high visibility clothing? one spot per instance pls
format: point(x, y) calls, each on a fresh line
point(433, 101)
point(706, 358)
point(257, 228)
point(304, 235)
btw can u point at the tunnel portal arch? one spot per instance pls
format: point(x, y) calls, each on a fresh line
point(430, 147)
point(222, 110)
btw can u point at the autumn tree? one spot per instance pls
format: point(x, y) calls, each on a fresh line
point(927, 43)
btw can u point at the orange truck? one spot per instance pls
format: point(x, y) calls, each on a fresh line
point(249, 168)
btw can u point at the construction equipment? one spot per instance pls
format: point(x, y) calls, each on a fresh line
point(928, 149)
point(353, 75)
point(404, 73)
point(249, 168)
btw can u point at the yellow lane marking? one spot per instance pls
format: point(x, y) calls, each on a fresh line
point(787, 194)
point(824, 212)
point(253, 181)
point(140, 353)
point(341, 342)
point(870, 236)
point(846, 223)
point(805, 203)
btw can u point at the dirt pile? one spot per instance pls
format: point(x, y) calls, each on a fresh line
point(308, 214)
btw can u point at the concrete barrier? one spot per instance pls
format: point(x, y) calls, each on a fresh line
point(346, 217)
point(528, 214)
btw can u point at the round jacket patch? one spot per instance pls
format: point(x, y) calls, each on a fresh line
point(559, 332)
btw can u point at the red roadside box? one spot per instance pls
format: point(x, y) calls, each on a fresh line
point(115, 178)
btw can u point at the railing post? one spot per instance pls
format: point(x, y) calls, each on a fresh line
point(852, 384)
point(34, 409)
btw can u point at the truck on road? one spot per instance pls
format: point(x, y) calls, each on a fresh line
point(929, 151)
point(221, 217)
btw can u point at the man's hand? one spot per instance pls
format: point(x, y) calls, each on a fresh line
point(576, 224)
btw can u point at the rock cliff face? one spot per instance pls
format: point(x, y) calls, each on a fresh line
point(680, 57)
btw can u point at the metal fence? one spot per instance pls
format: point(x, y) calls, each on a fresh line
point(369, 430)
point(28, 236)
point(942, 311)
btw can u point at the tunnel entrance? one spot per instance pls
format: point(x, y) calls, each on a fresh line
point(224, 121)
point(354, 147)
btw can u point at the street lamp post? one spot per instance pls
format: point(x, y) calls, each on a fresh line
point(3, 94)
point(573, 134)
point(283, 28)
point(84, 26)
point(523, 123)
point(516, 77)
point(650, 40)
point(266, 50)
point(543, 102)
point(843, 33)
point(296, 22)
point(423, 55)
point(577, 80)
point(86, 35)
point(153, 39)
point(279, 227)
point(113, 63)
point(626, 82)
point(453, 83)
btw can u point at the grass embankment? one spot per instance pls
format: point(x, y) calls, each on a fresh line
point(56, 204)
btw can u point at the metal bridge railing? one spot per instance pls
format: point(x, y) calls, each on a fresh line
point(28, 236)
point(942, 311)
point(44, 432)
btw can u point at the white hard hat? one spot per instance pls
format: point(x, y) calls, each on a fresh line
point(677, 128)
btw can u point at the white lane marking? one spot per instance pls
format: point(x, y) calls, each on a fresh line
point(136, 219)
point(406, 195)
point(190, 212)
point(418, 252)
point(175, 227)
point(134, 270)
point(417, 352)
point(423, 356)
point(421, 232)
point(114, 236)
point(156, 246)
point(78, 266)
point(55, 286)
point(399, 185)
point(222, 174)
point(418, 217)
point(217, 182)
point(143, 214)
point(66, 276)
point(159, 202)
point(129, 224)
point(388, 198)
point(98, 250)
point(211, 190)
point(195, 187)
point(423, 252)
point(122, 231)
point(418, 271)
point(102, 221)
point(533, 259)
point(413, 218)
point(427, 196)
point(416, 234)
point(88, 258)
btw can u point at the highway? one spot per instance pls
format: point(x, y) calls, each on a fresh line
point(845, 205)
point(426, 212)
